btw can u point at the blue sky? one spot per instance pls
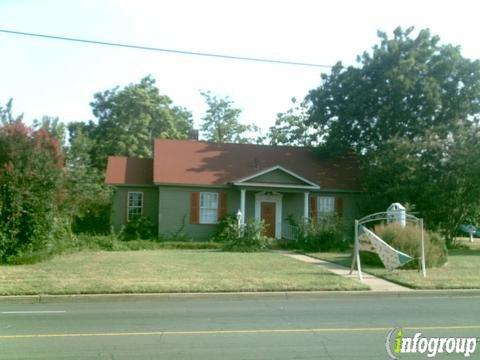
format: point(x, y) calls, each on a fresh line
point(46, 77)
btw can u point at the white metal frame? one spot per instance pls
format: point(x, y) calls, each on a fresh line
point(384, 216)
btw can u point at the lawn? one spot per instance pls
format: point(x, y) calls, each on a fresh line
point(461, 272)
point(167, 271)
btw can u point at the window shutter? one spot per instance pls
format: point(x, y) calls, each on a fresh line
point(339, 206)
point(222, 205)
point(194, 207)
point(313, 207)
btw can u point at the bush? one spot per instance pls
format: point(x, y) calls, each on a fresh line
point(31, 178)
point(407, 240)
point(247, 238)
point(140, 228)
point(94, 220)
point(222, 233)
point(328, 234)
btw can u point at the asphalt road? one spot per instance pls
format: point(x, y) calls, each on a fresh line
point(265, 327)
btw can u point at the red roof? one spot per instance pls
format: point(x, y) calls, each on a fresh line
point(191, 162)
point(123, 170)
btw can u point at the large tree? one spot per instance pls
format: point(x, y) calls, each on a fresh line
point(130, 118)
point(221, 122)
point(291, 128)
point(437, 175)
point(404, 87)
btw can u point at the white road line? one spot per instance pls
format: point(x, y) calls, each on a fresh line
point(35, 312)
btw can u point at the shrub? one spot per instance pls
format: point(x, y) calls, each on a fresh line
point(222, 233)
point(247, 238)
point(31, 178)
point(407, 240)
point(328, 234)
point(112, 243)
point(140, 228)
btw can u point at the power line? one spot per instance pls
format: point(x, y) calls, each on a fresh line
point(149, 48)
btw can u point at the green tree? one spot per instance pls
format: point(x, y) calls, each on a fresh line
point(438, 175)
point(404, 87)
point(6, 114)
point(130, 118)
point(291, 127)
point(221, 122)
point(53, 126)
point(88, 199)
point(31, 181)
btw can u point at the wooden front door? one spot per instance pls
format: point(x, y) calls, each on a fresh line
point(267, 214)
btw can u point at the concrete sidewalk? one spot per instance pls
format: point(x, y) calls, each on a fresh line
point(375, 283)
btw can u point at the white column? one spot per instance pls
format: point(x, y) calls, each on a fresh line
point(242, 205)
point(305, 206)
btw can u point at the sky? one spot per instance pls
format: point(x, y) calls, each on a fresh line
point(56, 78)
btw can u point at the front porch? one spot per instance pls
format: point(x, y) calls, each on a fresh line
point(274, 195)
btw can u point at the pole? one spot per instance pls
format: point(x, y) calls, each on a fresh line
point(424, 270)
point(357, 252)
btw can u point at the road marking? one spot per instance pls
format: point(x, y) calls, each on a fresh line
point(247, 331)
point(35, 312)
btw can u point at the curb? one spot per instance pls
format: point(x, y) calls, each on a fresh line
point(290, 295)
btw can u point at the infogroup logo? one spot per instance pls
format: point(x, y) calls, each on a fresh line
point(397, 343)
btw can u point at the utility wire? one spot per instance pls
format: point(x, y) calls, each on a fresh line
point(149, 48)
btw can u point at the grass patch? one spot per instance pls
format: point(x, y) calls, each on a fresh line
point(462, 271)
point(167, 271)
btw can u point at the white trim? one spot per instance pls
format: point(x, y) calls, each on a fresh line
point(281, 168)
point(242, 206)
point(135, 206)
point(277, 199)
point(268, 185)
point(200, 208)
point(305, 206)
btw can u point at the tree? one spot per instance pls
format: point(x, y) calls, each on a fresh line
point(88, 199)
point(6, 115)
point(31, 179)
point(438, 175)
point(130, 118)
point(404, 87)
point(221, 122)
point(53, 126)
point(291, 128)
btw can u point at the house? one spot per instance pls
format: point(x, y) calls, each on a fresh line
point(189, 185)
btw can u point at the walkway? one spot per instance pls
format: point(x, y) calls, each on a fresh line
point(375, 283)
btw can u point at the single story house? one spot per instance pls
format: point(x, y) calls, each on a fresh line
point(189, 185)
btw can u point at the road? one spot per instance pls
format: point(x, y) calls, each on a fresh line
point(342, 326)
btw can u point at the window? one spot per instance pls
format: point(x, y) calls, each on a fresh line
point(208, 208)
point(326, 205)
point(135, 205)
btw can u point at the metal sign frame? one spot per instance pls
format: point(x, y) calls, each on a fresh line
point(384, 216)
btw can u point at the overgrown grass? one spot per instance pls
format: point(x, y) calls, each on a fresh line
point(82, 242)
point(462, 271)
point(167, 271)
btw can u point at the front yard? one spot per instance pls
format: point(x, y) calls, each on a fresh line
point(167, 271)
point(461, 272)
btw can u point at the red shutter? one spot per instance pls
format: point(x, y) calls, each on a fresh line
point(194, 207)
point(313, 206)
point(222, 205)
point(339, 206)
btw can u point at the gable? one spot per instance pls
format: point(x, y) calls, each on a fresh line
point(277, 176)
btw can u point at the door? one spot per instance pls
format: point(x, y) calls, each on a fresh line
point(267, 214)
